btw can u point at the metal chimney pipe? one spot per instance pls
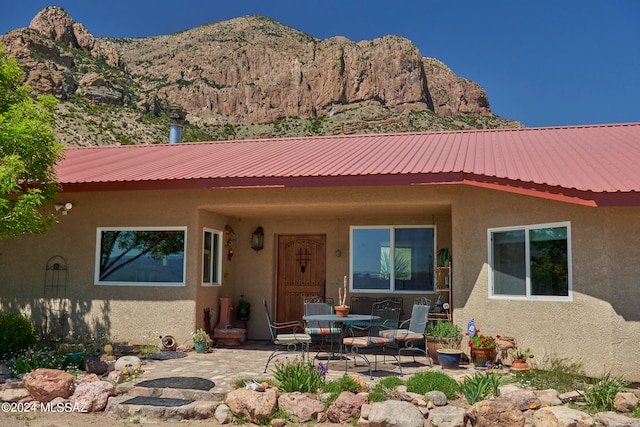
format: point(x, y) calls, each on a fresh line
point(175, 133)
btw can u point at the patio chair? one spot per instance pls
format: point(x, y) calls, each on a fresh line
point(359, 305)
point(385, 315)
point(290, 341)
point(321, 329)
point(405, 339)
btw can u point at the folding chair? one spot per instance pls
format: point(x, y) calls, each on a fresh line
point(289, 340)
point(320, 329)
point(405, 339)
point(385, 315)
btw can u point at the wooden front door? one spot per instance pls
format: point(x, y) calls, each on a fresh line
point(301, 273)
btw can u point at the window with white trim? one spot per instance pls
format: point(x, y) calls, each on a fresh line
point(392, 258)
point(530, 262)
point(141, 256)
point(211, 257)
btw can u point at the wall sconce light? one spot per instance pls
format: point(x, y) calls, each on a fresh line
point(257, 239)
point(338, 253)
point(65, 208)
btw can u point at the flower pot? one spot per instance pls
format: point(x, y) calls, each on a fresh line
point(242, 313)
point(434, 344)
point(448, 358)
point(342, 310)
point(480, 356)
point(519, 365)
point(201, 346)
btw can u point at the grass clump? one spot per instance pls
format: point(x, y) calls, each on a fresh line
point(599, 397)
point(423, 382)
point(555, 373)
point(480, 387)
point(298, 375)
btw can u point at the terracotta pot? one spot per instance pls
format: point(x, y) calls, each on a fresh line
point(342, 310)
point(519, 365)
point(480, 356)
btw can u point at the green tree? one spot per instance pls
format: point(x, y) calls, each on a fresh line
point(28, 154)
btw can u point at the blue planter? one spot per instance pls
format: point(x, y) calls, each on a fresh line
point(449, 360)
point(201, 346)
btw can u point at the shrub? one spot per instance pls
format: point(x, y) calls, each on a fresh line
point(599, 397)
point(298, 375)
point(33, 359)
point(345, 383)
point(423, 382)
point(16, 334)
point(480, 386)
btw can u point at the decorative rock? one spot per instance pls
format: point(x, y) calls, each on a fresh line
point(258, 406)
point(571, 396)
point(437, 397)
point(612, 419)
point(223, 414)
point(446, 416)
point(115, 377)
point(127, 361)
point(561, 416)
point(300, 406)
point(625, 402)
point(395, 413)
point(86, 378)
point(549, 397)
point(93, 396)
point(346, 407)
point(365, 410)
point(13, 394)
point(45, 385)
point(524, 399)
point(95, 365)
point(496, 412)
point(278, 422)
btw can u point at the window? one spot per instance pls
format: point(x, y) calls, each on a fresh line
point(392, 258)
point(211, 257)
point(530, 262)
point(141, 256)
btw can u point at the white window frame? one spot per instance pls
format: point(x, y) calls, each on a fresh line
point(528, 296)
point(99, 231)
point(215, 263)
point(391, 289)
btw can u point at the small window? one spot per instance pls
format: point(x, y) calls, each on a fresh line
point(141, 256)
point(392, 258)
point(531, 262)
point(211, 257)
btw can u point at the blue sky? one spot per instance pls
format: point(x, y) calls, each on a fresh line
point(545, 63)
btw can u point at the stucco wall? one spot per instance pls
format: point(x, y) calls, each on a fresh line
point(601, 326)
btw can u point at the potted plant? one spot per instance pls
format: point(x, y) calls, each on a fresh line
point(244, 309)
point(483, 349)
point(200, 340)
point(440, 335)
point(520, 359)
point(342, 309)
point(450, 357)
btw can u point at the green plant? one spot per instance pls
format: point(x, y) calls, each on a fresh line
point(480, 386)
point(297, 375)
point(599, 397)
point(44, 357)
point(517, 353)
point(200, 335)
point(423, 382)
point(16, 334)
point(555, 373)
point(483, 341)
point(391, 381)
point(442, 329)
point(243, 303)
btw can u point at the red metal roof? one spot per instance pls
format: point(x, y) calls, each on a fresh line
point(593, 165)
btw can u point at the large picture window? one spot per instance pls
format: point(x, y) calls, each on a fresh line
point(211, 257)
point(141, 256)
point(531, 262)
point(392, 258)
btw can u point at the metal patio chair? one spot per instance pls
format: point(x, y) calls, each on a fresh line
point(322, 330)
point(406, 338)
point(290, 341)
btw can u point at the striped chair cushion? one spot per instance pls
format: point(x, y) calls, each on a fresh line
point(401, 335)
point(366, 341)
point(292, 338)
point(322, 331)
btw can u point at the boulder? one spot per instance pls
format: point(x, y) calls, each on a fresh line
point(127, 361)
point(92, 396)
point(561, 416)
point(524, 399)
point(496, 412)
point(395, 413)
point(13, 394)
point(223, 414)
point(612, 419)
point(300, 406)
point(446, 416)
point(256, 405)
point(549, 397)
point(45, 384)
point(346, 407)
point(438, 398)
point(625, 402)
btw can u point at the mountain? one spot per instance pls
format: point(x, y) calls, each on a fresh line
point(249, 77)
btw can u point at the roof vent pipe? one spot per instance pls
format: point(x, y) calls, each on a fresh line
point(175, 133)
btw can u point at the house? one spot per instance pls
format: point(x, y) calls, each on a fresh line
point(542, 225)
